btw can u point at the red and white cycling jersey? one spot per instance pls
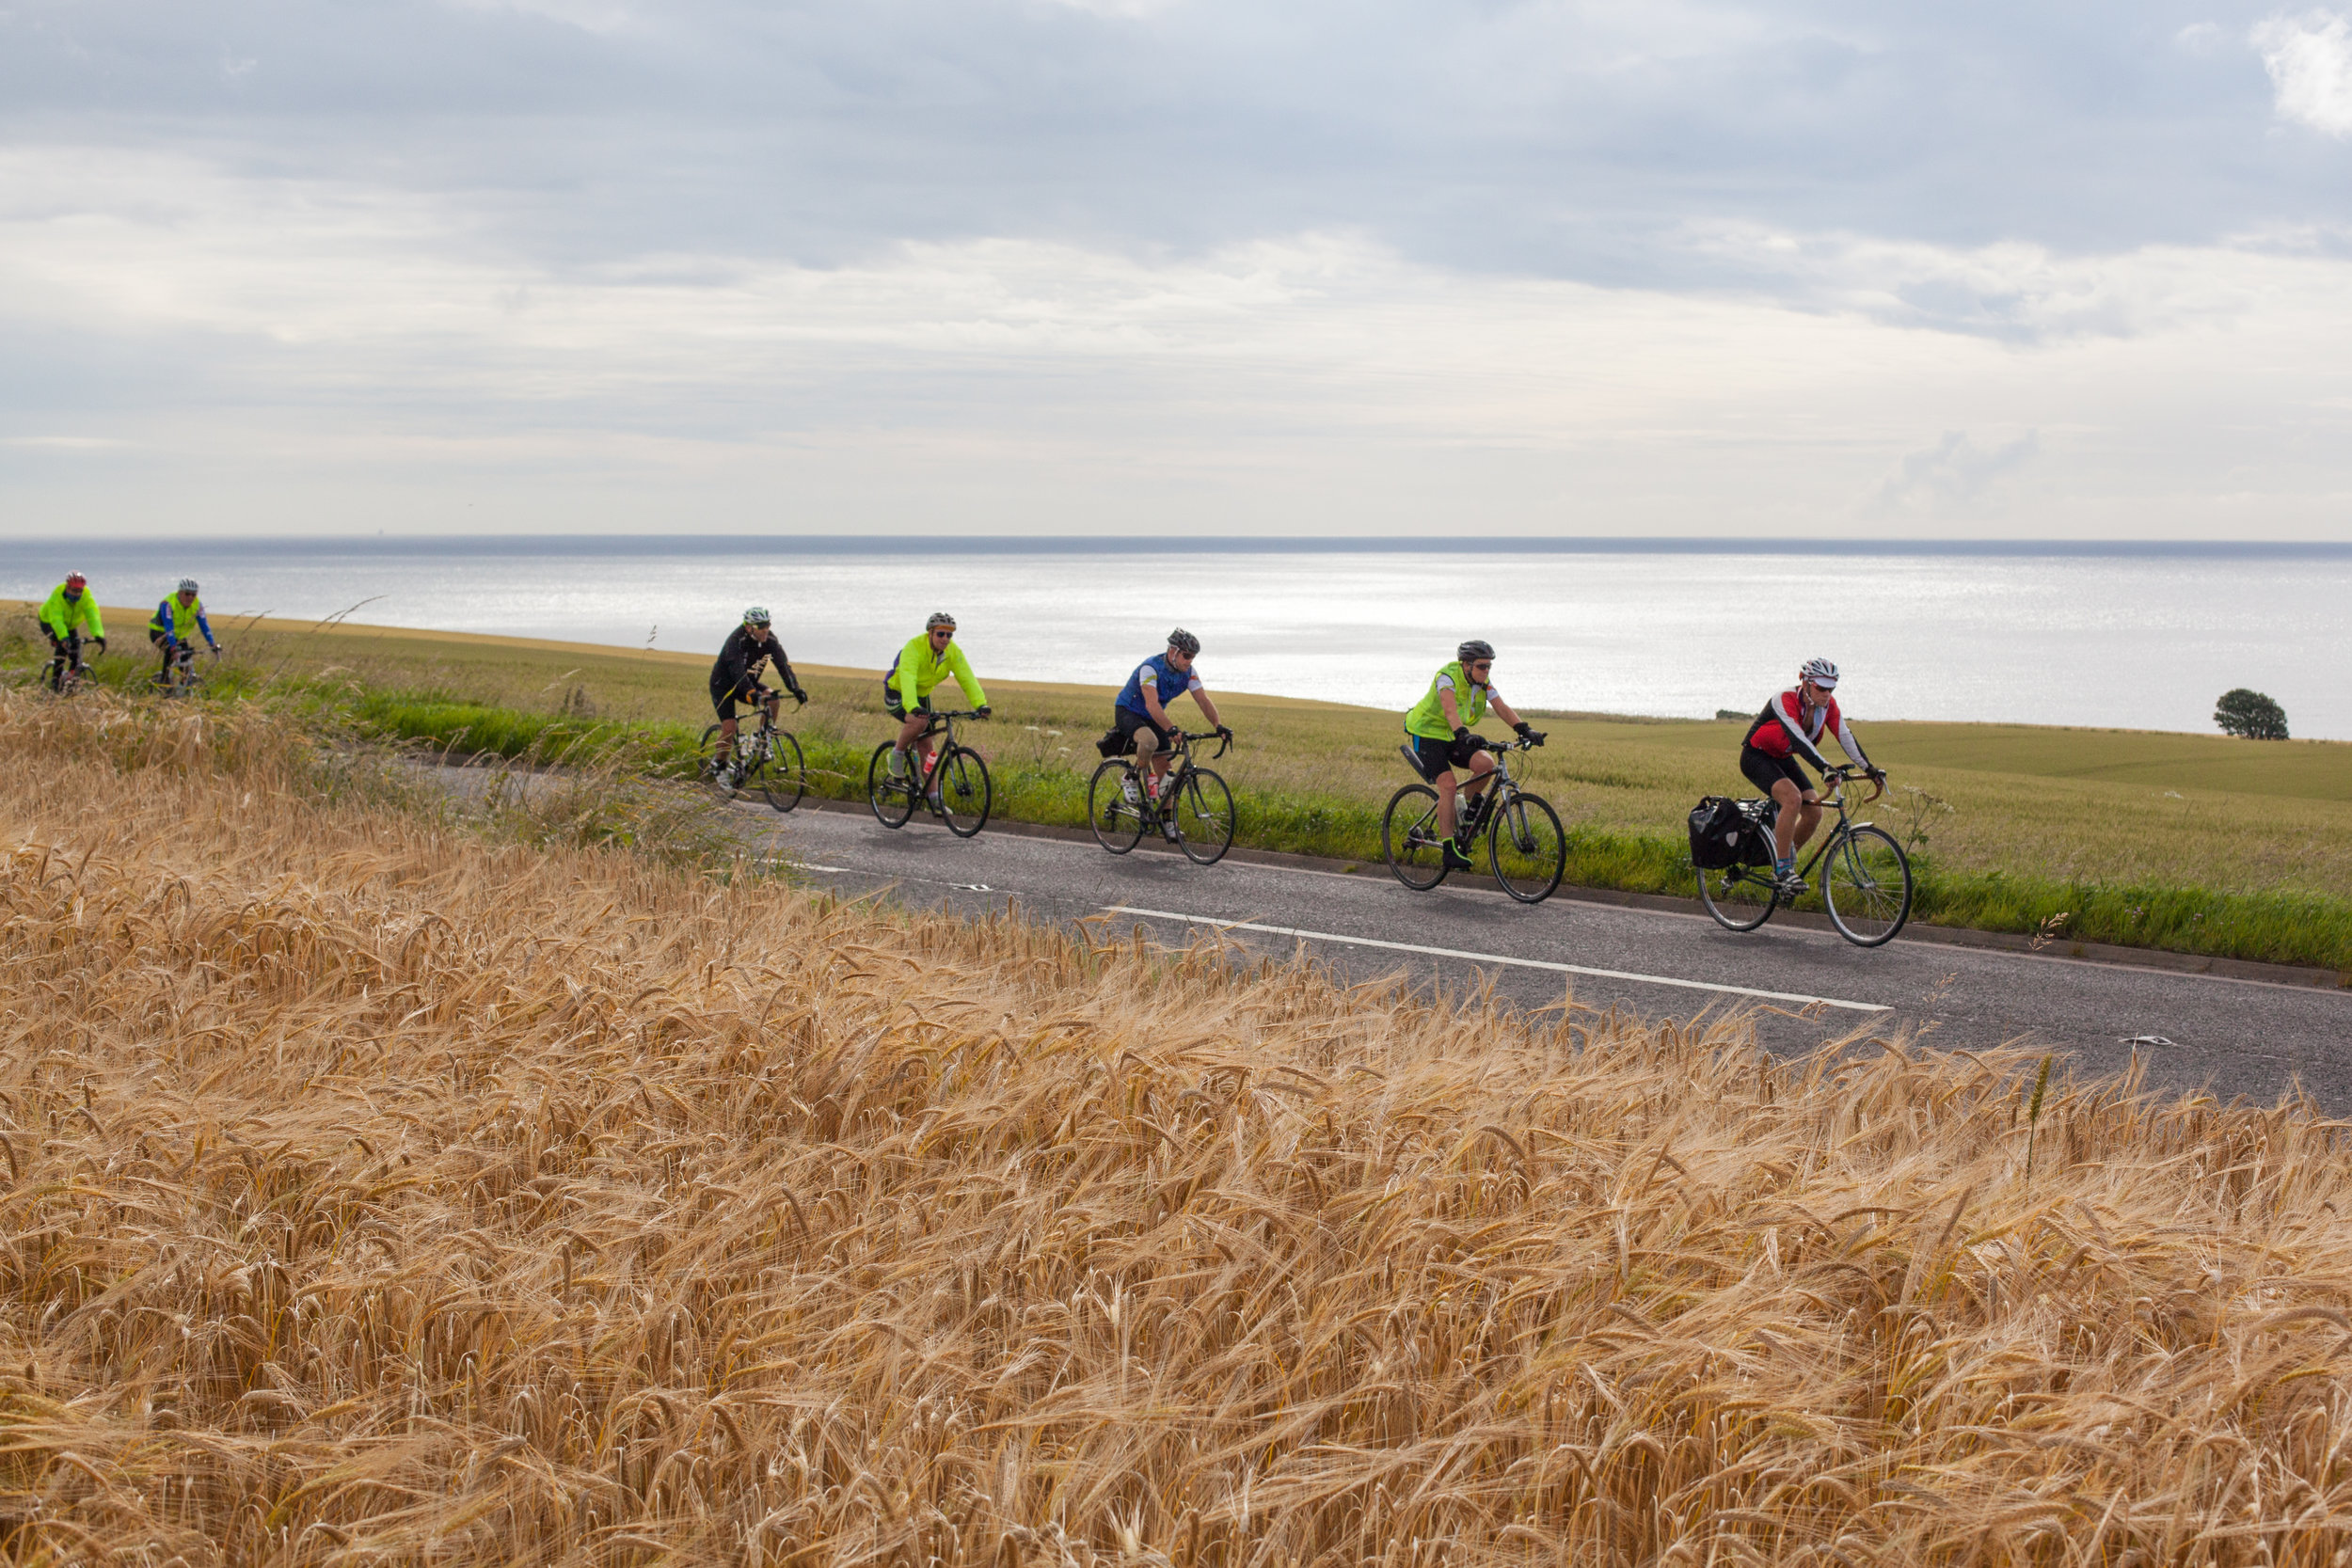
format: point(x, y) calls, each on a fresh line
point(1784, 726)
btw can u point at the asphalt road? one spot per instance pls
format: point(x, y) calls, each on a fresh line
point(2254, 1039)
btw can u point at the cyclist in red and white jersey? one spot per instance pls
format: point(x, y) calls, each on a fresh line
point(1785, 731)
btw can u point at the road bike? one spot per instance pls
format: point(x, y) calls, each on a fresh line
point(955, 786)
point(1192, 803)
point(767, 760)
point(1525, 845)
point(1866, 876)
point(181, 678)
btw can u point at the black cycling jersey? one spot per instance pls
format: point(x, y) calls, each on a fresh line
point(740, 659)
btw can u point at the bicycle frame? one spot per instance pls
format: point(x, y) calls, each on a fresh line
point(940, 722)
point(1837, 778)
point(1173, 779)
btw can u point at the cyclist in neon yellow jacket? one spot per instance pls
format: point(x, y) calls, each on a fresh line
point(921, 665)
point(1437, 739)
point(70, 614)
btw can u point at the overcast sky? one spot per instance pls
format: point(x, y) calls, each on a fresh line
point(1158, 266)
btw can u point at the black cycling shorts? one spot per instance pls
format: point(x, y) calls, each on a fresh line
point(898, 709)
point(1433, 757)
point(1131, 723)
point(1763, 770)
point(724, 698)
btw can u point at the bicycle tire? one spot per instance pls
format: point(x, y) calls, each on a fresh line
point(704, 775)
point(1525, 836)
point(893, 799)
point(1746, 897)
point(1204, 817)
point(788, 773)
point(1117, 821)
point(1856, 886)
point(1423, 866)
point(962, 801)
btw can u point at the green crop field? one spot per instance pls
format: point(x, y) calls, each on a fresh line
point(2199, 843)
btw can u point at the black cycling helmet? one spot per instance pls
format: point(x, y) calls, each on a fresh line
point(1184, 642)
point(1476, 648)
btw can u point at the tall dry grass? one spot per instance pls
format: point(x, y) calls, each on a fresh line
point(381, 1194)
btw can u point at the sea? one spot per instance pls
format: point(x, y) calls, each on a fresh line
point(2139, 635)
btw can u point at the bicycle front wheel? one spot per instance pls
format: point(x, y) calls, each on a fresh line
point(1204, 817)
point(964, 792)
point(786, 779)
point(892, 797)
point(1411, 839)
point(1740, 897)
point(1526, 848)
point(1865, 881)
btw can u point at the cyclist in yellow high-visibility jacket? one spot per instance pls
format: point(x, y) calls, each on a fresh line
point(71, 611)
point(921, 665)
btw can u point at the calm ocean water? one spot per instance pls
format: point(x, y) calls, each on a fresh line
point(2142, 638)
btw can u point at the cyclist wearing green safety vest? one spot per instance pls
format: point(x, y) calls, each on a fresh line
point(173, 620)
point(921, 665)
point(1437, 739)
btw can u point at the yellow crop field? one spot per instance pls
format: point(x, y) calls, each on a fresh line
point(385, 1190)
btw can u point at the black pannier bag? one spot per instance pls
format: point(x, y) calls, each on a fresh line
point(1718, 829)
point(1114, 744)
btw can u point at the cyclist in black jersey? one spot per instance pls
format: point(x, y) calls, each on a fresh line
point(734, 678)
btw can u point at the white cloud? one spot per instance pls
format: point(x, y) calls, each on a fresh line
point(1955, 474)
point(2309, 60)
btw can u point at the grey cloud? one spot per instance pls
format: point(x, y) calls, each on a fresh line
point(1570, 141)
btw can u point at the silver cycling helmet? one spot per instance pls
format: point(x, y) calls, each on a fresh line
point(940, 618)
point(1476, 648)
point(755, 616)
point(1184, 642)
point(1820, 672)
point(187, 585)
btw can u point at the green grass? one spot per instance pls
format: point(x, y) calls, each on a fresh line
point(2198, 843)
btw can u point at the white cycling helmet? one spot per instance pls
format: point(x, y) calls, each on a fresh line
point(187, 585)
point(1820, 672)
point(755, 616)
point(940, 618)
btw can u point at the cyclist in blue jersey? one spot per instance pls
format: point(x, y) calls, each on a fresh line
point(1142, 712)
point(174, 619)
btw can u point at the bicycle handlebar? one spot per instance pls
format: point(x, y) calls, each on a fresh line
point(1223, 738)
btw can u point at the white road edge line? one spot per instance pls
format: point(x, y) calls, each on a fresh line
point(1498, 959)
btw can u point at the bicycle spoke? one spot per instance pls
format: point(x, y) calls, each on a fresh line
point(1866, 883)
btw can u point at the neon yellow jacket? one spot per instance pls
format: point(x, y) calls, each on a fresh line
point(1427, 717)
point(61, 616)
point(916, 671)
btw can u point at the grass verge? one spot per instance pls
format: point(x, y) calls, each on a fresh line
point(379, 1192)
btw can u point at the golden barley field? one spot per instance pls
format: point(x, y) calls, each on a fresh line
point(386, 1189)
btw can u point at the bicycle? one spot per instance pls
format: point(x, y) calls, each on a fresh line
point(955, 786)
point(1121, 805)
point(1525, 847)
point(766, 758)
point(1866, 882)
point(65, 668)
point(183, 679)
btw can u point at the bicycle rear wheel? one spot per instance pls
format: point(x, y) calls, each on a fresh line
point(1740, 897)
point(1410, 839)
point(786, 779)
point(893, 799)
point(1865, 881)
point(1117, 821)
point(1526, 847)
point(1204, 817)
point(964, 791)
point(707, 773)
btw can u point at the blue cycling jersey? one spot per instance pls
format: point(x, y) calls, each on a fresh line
point(1168, 683)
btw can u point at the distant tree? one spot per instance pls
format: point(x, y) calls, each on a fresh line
point(2251, 715)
